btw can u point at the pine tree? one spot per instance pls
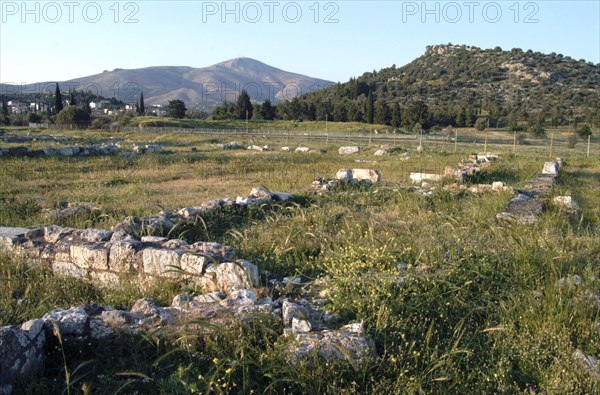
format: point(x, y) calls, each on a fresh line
point(58, 104)
point(461, 118)
point(72, 101)
point(141, 106)
point(267, 111)
point(177, 108)
point(244, 106)
point(397, 116)
point(382, 113)
point(468, 117)
point(417, 112)
point(370, 108)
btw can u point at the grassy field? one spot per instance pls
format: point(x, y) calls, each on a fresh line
point(480, 309)
point(303, 126)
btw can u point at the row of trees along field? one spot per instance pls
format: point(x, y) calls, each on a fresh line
point(408, 116)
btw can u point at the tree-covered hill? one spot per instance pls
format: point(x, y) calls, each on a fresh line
point(459, 84)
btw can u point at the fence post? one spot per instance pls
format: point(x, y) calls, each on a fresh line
point(588, 147)
point(515, 142)
point(455, 139)
point(551, 143)
point(485, 149)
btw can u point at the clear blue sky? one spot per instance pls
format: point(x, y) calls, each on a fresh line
point(48, 41)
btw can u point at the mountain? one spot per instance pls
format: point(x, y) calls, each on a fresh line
point(453, 80)
point(198, 87)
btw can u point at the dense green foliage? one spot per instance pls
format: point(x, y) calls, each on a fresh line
point(176, 108)
point(73, 115)
point(243, 109)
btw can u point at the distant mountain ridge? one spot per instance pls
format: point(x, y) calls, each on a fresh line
point(198, 87)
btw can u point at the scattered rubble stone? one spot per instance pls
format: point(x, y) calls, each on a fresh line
point(349, 150)
point(139, 149)
point(22, 353)
point(93, 150)
point(234, 145)
point(259, 148)
point(571, 280)
point(309, 326)
point(589, 362)
point(566, 202)
point(419, 177)
point(346, 343)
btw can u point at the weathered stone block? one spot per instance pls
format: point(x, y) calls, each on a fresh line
point(10, 236)
point(96, 235)
point(300, 326)
point(21, 353)
point(122, 258)
point(67, 269)
point(566, 202)
point(54, 233)
point(366, 174)
point(71, 321)
point(550, 168)
point(89, 256)
point(349, 150)
point(106, 278)
point(347, 343)
point(291, 310)
point(231, 276)
point(419, 177)
point(344, 175)
point(260, 193)
point(161, 262)
point(193, 264)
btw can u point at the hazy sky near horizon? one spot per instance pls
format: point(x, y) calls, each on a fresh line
point(334, 40)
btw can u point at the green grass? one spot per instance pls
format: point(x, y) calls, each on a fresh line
point(280, 125)
point(477, 310)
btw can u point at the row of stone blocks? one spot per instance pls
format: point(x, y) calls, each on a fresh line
point(108, 257)
point(527, 207)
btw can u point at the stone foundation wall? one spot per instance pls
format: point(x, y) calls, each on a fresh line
point(530, 203)
point(108, 257)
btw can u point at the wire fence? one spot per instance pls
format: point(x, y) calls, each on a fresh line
point(485, 141)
